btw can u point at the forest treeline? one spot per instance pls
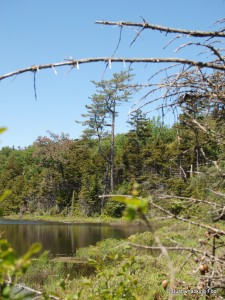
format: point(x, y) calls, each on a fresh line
point(61, 175)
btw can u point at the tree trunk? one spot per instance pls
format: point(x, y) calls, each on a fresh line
point(112, 150)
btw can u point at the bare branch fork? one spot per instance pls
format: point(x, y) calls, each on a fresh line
point(75, 63)
point(193, 33)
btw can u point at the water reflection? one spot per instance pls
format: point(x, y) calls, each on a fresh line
point(61, 239)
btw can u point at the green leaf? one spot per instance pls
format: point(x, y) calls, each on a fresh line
point(62, 284)
point(2, 129)
point(34, 249)
point(5, 194)
point(130, 213)
point(6, 291)
point(132, 202)
point(92, 261)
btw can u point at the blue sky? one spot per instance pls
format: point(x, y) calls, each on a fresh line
point(47, 31)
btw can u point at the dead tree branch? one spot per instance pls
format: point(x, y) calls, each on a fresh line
point(215, 230)
point(194, 200)
point(76, 63)
point(30, 291)
point(194, 33)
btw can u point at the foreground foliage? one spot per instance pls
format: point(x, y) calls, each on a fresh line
point(124, 271)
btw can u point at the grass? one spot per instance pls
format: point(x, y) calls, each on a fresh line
point(120, 271)
point(72, 219)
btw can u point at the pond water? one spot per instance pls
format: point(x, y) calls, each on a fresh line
point(60, 238)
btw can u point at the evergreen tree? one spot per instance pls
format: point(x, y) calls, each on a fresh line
point(102, 113)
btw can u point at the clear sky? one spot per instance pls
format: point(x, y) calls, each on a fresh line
point(48, 31)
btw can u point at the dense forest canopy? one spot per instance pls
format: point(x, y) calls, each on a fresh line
point(47, 175)
point(57, 174)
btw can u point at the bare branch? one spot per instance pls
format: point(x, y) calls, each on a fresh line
point(208, 131)
point(137, 35)
point(29, 290)
point(215, 51)
point(194, 200)
point(74, 63)
point(119, 41)
point(215, 192)
point(222, 232)
point(193, 33)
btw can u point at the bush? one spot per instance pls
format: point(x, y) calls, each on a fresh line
point(114, 209)
point(103, 249)
point(54, 210)
point(144, 238)
point(176, 207)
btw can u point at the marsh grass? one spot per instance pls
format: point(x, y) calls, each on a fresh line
point(122, 271)
point(41, 272)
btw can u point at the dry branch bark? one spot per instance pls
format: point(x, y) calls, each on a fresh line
point(194, 33)
point(75, 63)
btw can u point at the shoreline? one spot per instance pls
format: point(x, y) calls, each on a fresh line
point(73, 220)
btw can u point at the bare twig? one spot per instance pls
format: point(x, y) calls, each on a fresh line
point(35, 89)
point(137, 35)
point(119, 41)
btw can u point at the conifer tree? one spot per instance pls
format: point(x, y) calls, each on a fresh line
point(103, 110)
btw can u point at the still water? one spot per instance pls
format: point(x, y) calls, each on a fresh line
point(60, 239)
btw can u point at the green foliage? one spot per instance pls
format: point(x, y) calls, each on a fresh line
point(144, 238)
point(176, 207)
point(122, 272)
point(11, 267)
point(134, 205)
point(113, 209)
point(45, 177)
point(103, 249)
point(119, 283)
point(89, 197)
point(101, 117)
point(196, 186)
point(4, 195)
point(176, 186)
point(41, 272)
